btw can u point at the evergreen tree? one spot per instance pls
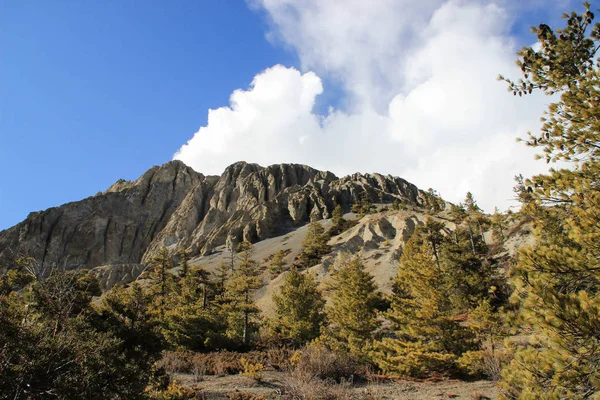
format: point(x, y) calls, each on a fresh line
point(222, 273)
point(277, 262)
point(56, 344)
point(192, 322)
point(299, 307)
point(458, 215)
point(433, 201)
point(427, 336)
point(159, 269)
point(558, 279)
point(352, 314)
point(470, 276)
point(432, 231)
point(314, 245)
point(238, 303)
point(184, 258)
point(476, 216)
point(363, 205)
point(337, 221)
point(498, 225)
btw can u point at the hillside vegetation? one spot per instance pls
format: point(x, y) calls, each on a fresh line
point(287, 282)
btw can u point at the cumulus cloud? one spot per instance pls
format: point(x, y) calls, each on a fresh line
point(421, 99)
point(268, 123)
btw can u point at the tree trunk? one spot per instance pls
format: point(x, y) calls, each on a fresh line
point(471, 238)
point(245, 334)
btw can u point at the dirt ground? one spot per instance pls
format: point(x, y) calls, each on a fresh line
point(275, 384)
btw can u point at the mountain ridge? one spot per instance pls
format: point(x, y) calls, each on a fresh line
point(174, 206)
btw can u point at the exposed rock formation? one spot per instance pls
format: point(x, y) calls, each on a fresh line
point(174, 206)
point(114, 227)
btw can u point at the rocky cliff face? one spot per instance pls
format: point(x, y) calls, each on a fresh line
point(114, 227)
point(173, 206)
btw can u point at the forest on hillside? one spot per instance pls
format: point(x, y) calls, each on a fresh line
point(460, 307)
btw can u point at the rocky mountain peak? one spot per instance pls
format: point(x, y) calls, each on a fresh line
point(174, 206)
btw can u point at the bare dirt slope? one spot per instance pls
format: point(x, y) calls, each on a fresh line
point(378, 239)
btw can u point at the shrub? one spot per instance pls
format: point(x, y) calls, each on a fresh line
point(482, 363)
point(224, 362)
point(318, 361)
point(161, 387)
point(296, 388)
point(251, 370)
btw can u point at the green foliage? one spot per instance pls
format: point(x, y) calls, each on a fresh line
point(184, 257)
point(63, 294)
point(471, 277)
point(317, 361)
point(56, 344)
point(314, 246)
point(338, 223)
point(363, 205)
point(558, 279)
point(352, 314)
point(164, 388)
point(159, 270)
point(299, 307)
point(489, 327)
point(252, 370)
point(498, 222)
point(433, 201)
point(192, 320)
point(15, 279)
point(222, 273)
point(237, 301)
point(277, 263)
point(428, 338)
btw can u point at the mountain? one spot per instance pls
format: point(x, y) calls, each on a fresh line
point(173, 206)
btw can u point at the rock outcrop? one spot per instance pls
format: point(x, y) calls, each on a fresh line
point(114, 227)
point(174, 206)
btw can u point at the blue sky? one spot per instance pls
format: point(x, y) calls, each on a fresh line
point(94, 91)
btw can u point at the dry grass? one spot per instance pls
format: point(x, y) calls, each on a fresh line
point(298, 388)
point(224, 362)
point(316, 361)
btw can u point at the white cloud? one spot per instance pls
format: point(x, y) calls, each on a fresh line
point(421, 97)
point(267, 123)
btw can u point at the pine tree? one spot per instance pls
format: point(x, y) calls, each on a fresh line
point(222, 273)
point(434, 236)
point(192, 322)
point(498, 225)
point(362, 205)
point(159, 269)
point(299, 307)
point(427, 336)
point(476, 216)
point(277, 262)
point(57, 344)
point(314, 245)
point(184, 257)
point(557, 280)
point(366, 207)
point(433, 201)
point(242, 312)
point(352, 314)
point(470, 276)
point(337, 221)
